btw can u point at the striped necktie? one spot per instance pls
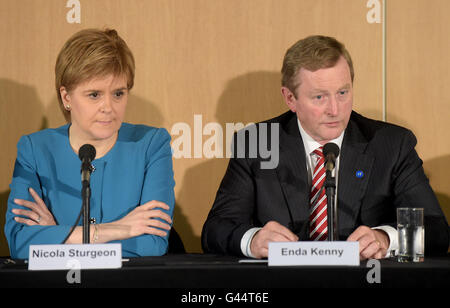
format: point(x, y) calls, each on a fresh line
point(318, 230)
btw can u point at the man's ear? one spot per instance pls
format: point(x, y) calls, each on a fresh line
point(289, 98)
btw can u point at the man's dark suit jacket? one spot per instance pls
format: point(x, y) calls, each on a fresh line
point(393, 177)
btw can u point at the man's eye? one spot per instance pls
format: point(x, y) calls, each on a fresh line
point(343, 92)
point(93, 94)
point(119, 94)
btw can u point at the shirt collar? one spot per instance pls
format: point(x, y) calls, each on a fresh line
point(310, 144)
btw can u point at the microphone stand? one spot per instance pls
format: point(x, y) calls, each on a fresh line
point(330, 191)
point(86, 197)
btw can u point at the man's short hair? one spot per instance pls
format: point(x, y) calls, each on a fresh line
point(312, 53)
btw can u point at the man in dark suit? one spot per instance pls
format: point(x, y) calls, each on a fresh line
point(377, 171)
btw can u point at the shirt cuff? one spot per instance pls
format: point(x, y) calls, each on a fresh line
point(393, 239)
point(246, 241)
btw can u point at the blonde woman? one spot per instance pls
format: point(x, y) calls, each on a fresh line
point(132, 185)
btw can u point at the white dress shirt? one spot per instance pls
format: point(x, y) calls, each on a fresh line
point(310, 145)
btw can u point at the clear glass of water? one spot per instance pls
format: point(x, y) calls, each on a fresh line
point(411, 235)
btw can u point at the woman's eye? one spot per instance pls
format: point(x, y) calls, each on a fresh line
point(93, 94)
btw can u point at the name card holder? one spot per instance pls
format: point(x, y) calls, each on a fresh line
point(313, 253)
point(76, 256)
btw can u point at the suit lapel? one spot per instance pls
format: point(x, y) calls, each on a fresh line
point(292, 175)
point(354, 172)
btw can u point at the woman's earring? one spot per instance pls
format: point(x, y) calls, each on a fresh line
point(67, 107)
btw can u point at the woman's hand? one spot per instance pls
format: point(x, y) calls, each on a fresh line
point(142, 220)
point(38, 213)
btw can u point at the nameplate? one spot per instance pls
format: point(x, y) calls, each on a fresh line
point(313, 253)
point(77, 256)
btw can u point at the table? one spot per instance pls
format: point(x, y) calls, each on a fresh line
point(190, 271)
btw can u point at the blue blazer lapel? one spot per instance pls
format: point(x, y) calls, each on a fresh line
point(355, 167)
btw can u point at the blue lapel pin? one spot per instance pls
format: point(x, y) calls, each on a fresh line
point(359, 174)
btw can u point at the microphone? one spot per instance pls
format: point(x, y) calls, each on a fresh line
point(330, 152)
point(86, 154)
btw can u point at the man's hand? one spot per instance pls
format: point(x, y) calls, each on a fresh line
point(373, 244)
point(271, 232)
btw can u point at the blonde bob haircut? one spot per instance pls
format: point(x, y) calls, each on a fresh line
point(312, 53)
point(92, 53)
